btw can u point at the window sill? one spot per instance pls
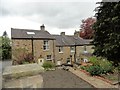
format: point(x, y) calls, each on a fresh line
point(49, 59)
point(60, 52)
point(46, 50)
point(72, 51)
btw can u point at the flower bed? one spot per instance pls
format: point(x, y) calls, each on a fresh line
point(100, 68)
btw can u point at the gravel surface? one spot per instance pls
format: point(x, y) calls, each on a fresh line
point(63, 79)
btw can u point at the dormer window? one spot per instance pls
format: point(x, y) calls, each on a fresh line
point(45, 45)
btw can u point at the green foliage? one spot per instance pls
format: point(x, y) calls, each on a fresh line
point(83, 67)
point(94, 60)
point(5, 52)
point(25, 62)
point(107, 31)
point(100, 66)
point(48, 65)
point(106, 66)
point(95, 70)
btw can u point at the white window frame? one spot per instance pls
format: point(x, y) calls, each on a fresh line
point(46, 45)
point(60, 49)
point(49, 58)
point(72, 49)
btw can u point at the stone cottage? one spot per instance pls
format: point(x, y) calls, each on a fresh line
point(56, 48)
point(70, 47)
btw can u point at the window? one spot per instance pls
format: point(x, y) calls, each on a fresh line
point(60, 49)
point(85, 48)
point(30, 32)
point(72, 49)
point(48, 57)
point(46, 45)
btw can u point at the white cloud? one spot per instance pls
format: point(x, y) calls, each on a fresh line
point(57, 15)
point(18, 22)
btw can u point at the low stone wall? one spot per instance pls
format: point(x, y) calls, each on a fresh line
point(22, 70)
point(35, 81)
point(23, 76)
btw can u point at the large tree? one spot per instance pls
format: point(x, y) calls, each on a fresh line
point(86, 28)
point(6, 47)
point(107, 31)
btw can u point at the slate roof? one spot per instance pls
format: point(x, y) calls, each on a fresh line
point(61, 40)
point(22, 34)
point(66, 40)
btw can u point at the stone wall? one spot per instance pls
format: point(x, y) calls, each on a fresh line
point(25, 82)
point(59, 56)
point(19, 43)
point(66, 53)
point(22, 76)
point(37, 47)
point(53, 50)
point(39, 51)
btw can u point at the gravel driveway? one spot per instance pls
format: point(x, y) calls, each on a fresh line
point(63, 79)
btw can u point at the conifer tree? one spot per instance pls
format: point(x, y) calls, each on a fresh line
point(107, 31)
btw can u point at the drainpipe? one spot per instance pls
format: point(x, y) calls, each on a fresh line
point(54, 51)
point(32, 46)
point(75, 54)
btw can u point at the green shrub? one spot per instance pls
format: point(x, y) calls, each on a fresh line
point(83, 67)
point(48, 65)
point(103, 63)
point(94, 60)
point(100, 66)
point(94, 70)
point(106, 66)
point(24, 62)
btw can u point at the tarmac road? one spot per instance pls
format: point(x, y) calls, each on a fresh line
point(63, 79)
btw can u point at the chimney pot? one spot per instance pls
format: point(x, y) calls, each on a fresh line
point(42, 27)
point(76, 33)
point(62, 33)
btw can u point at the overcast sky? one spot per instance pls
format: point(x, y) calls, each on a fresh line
point(56, 15)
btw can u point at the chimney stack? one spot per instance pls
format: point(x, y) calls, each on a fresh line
point(76, 33)
point(62, 33)
point(42, 27)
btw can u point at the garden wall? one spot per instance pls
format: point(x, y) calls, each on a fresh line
point(23, 76)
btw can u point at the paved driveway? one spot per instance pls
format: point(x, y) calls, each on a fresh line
point(6, 63)
point(63, 79)
point(3, 64)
